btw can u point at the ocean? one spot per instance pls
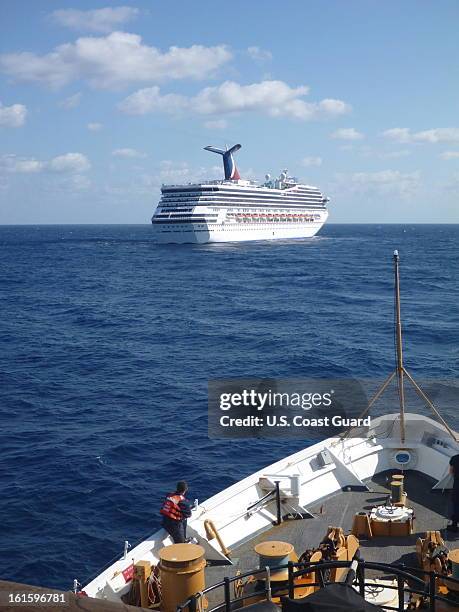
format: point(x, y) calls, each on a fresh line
point(108, 341)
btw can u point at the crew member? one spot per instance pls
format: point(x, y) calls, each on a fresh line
point(175, 511)
point(454, 470)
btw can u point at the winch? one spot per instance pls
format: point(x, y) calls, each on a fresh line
point(390, 520)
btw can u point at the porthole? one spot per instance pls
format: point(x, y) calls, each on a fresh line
point(402, 457)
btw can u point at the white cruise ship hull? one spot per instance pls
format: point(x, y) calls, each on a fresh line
point(206, 233)
point(238, 211)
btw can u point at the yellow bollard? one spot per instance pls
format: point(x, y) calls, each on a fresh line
point(181, 568)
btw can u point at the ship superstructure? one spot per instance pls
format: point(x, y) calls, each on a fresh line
point(234, 209)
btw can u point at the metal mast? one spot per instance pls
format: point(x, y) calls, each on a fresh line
point(398, 331)
point(400, 372)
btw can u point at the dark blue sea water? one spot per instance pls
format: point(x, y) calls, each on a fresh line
point(108, 341)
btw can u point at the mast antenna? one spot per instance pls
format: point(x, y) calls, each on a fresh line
point(399, 346)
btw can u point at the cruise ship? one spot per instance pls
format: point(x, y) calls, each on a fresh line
point(234, 210)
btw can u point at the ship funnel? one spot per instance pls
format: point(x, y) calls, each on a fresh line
point(231, 172)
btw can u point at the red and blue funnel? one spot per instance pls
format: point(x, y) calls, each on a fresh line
point(231, 173)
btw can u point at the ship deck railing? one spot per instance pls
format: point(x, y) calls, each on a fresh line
point(209, 182)
point(420, 582)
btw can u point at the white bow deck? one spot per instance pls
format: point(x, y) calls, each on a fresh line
point(307, 480)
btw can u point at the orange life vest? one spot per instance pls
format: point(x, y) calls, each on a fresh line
point(171, 506)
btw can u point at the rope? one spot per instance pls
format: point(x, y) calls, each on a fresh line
point(240, 585)
point(200, 601)
point(154, 588)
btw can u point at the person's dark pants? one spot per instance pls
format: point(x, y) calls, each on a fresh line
point(176, 529)
point(455, 505)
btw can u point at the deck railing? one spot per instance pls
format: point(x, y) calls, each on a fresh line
point(409, 580)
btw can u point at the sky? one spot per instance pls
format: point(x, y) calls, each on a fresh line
point(101, 103)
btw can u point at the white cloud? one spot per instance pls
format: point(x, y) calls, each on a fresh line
point(97, 20)
point(273, 98)
point(70, 162)
point(94, 127)
point(217, 124)
point(397, 134)
point(113, 61)
point(382, 177)
point(12, 116)
point(435, 135)
point(382, 182)
point(450, 155)
point(258, 54)
point(370, 152)
point(67, 163)
point(150, 100)
point(395, 154)
point(347, 134)
point(68, 184)
point(334, 107)
point(71, 101)
point(129, 153)
point(170, 172)
point(77, 181)
point(452, 185)
point(20, 165)
point(311, 161)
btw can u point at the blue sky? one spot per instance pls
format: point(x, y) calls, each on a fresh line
point(102, 102)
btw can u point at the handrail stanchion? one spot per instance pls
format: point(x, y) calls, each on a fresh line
point(227, 594)
point(320, 576)
point(291, 588)
point(401, 593)
point(432, 591)
point(278, 503)
point(268, 583)
point(193, 604)
point(361, 578)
